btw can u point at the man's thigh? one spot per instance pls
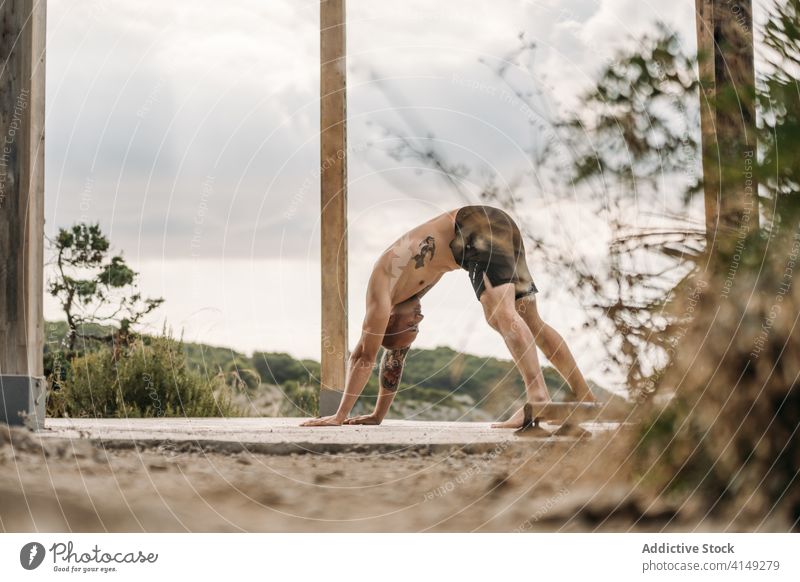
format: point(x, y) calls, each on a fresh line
point(497, 300)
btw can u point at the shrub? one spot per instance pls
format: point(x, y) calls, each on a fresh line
point(300, 399)
point(143, 380)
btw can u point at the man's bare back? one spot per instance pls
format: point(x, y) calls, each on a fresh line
point(417, 260)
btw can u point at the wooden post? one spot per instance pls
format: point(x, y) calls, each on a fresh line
point(333, 182)
point(22, 84)
point(727, 104)
point(22, 46)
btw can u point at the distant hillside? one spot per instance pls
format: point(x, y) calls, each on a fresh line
point(439, 384)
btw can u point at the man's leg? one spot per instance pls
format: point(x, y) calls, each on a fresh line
point(500, 312)
point(554, 348)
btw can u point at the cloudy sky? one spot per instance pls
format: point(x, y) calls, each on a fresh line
point(188, 129)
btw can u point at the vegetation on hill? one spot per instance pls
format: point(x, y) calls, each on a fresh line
point(437, 384)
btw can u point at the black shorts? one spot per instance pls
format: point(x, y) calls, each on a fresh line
point(488, 241)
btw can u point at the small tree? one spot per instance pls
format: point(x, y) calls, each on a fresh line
point(94, 287)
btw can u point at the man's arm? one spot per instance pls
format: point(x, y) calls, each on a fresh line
point(391, 371)
point(362, 359)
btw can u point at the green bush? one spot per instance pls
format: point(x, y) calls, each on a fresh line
point(300, 399)
point(145, 380)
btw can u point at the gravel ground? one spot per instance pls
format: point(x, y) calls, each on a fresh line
point(78, 485)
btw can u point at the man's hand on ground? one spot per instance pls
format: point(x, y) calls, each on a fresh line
point(332, 420)
point(363, 419)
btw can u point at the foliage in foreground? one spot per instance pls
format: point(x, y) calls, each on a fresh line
point(726, 446)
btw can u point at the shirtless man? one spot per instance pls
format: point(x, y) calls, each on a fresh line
point(485, 242)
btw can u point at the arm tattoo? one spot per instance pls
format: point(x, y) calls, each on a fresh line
point(426, 247)
point(392, 368)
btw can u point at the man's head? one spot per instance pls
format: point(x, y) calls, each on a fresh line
point(402, 330)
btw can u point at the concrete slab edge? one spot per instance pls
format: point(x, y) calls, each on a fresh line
point(307, 448)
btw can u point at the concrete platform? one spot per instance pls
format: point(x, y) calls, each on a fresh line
point(282, 436)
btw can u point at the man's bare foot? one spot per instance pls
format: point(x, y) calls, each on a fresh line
point(332, 420)
point(364, 419)
point(510, 423)
point(518, 419)
point(514, 422)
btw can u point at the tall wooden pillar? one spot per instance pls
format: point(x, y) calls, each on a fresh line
point(727, 102)
point(333, 166)
point(22, 84)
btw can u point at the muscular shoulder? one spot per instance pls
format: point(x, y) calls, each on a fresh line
point(380, 272)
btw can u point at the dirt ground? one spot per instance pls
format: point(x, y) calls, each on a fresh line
point(77, 485)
